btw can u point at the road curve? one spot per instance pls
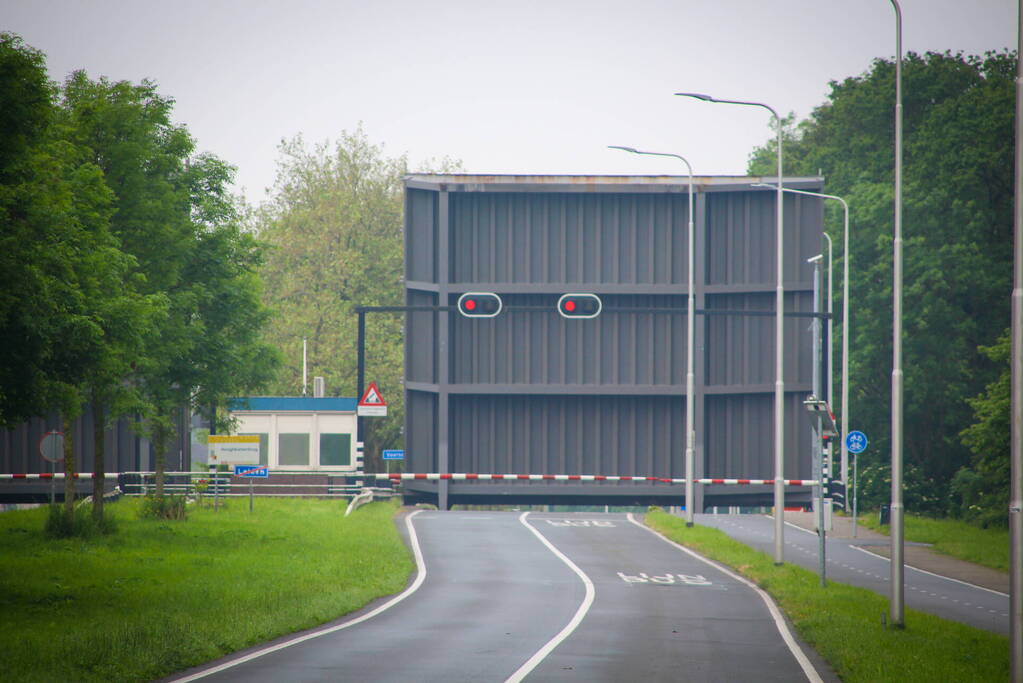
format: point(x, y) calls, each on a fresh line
point(491, 597)
point(509, 597)
point(661, 613)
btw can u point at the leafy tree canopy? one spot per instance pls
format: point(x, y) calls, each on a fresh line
point(126, 278)
point(957, 225)
point(334, 223)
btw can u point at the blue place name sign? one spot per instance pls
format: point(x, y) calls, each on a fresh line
point(394, 455)
point(261, 471)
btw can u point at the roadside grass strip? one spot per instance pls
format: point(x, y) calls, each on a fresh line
point(844, 624)
point(987, 547)
point(157, 597)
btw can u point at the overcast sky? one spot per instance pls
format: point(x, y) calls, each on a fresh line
point(505, 87)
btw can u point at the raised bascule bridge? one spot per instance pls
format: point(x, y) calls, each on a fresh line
point(600, 398)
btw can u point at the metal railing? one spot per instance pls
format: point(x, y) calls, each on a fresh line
point(280, 484)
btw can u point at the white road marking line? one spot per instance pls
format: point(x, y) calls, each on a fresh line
point(420, 577)
point(779, 621)
point(799, 528)
point(940, 576)
point(572, 625)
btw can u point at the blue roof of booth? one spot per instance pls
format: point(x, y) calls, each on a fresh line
point(280, 404)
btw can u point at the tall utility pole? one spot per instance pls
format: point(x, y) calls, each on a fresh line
point(816, 435)
point(845, 327)
point(897, 546)
point(1016, 401)
point(779, 335)
point(690, 336)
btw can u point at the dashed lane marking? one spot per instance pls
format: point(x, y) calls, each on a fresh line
point(940, 576)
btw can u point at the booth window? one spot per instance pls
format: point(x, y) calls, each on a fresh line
point(335, 450)
point(264, 444)
point(293, 449)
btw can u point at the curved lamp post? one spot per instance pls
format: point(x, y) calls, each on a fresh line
point(1016, 388)
point(898, 569)
point(845, 324)
point(779, 334)
point(690, 429)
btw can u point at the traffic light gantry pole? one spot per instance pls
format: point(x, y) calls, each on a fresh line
point(577, 305)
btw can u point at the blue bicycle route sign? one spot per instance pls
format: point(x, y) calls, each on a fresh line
point(856, 442)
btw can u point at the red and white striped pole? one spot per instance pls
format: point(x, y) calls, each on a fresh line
point(468, 476)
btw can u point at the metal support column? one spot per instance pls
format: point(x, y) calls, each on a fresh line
point(1016, 398)
point(898, 569)
point(360, 388)
point(443, 348)
point(700, 341)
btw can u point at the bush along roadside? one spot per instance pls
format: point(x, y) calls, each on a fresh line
point(845, 624)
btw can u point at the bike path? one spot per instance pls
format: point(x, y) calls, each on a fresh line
point(850, 561)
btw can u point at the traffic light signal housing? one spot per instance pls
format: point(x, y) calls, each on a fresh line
point(577, 306)
point(836, 492)
point(479, 304)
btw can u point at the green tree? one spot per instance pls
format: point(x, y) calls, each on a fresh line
point(31, 235)
point(66, 310)
point(174, 215)
point(957, 198)
point(982, 490)
point(334, 224)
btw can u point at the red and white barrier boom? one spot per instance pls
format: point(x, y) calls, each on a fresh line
point(436, 476)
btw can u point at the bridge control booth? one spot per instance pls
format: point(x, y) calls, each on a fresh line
point(300, 433)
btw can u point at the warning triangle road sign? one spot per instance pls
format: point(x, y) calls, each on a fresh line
point(372, 396)
point(372, 403)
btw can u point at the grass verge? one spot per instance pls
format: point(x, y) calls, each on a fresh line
point(987, 547)
point(843, 623)
point(159, 596)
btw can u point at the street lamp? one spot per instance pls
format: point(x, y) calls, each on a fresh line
point(845, 323)
point(1016, 402)
point(831, 346)
point(690, 428)
point(898, 569)
point(779, 334)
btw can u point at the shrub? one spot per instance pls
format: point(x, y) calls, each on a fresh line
point(163, 507)
point(60, 524)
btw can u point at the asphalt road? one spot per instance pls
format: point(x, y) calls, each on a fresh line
point(660, 613)
point(850, 561)
point(508, 597)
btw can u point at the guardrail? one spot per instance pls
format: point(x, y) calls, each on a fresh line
point(281, 483)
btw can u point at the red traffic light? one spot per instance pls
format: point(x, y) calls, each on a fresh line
point(579, 306)
point(479, 304)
